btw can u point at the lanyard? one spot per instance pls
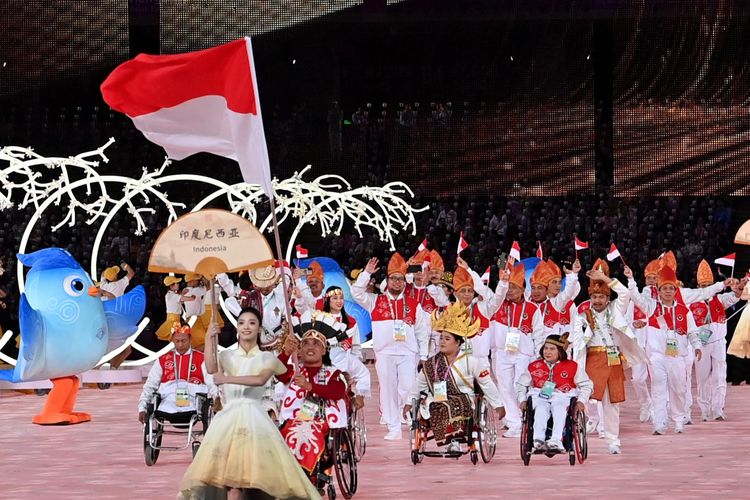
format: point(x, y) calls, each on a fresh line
point(708, 314)
point(673, 308)
point(177, 366)
point(551, 370)
point(392, 307)
point(510, 318)
point(608, 340)
point(448, 370)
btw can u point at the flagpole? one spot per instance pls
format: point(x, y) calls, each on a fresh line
point(280, 253)
point(575, 247)
point(732, 276)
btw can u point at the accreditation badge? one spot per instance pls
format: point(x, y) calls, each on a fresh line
point(613, 355)
point(704, 334)
point(182, 397)
point(512, 340)
point(440, 391)
point(547, 389)
point(399, 331)
point(672, 350)
point(308, 411)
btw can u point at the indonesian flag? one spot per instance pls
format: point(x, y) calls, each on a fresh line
point(204, 101)
point(613, 253)
point(580, 245)
point(727, 260)
point(426, 263)
point(462, 245)
point(486, 276)
point(423, 245)
point(515, 251)
point(539, 253)
point(301, 252)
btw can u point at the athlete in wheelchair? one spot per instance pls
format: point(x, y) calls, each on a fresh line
point(551, 394)
point(176, 397)
point(444, 405)
point(315, 406)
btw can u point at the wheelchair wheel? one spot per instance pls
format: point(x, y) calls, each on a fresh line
point(345, 463)
point(332, 492)
point(474, 457)
point(487, 435)
point(151, 453)
point(580, 443)
point(527, 430)
point(359, 433)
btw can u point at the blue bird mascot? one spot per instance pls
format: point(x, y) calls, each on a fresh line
point(66, 329)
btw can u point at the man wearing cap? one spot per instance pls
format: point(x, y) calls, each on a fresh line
point(400, 333)
point(177, 376)
point(602, 341)
point(466, 282)
point(550, 307)
point(565, 309)
point(311, 294)
point(111, 287)
point(517, 337)
point(711, 369)
point(429, 295)
point(670, 333)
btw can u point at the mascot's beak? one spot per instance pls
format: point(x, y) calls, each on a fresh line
point(94, 291)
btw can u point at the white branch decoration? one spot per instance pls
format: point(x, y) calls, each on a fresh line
point(76, 184)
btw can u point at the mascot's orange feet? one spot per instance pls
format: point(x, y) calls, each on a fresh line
point(58, 410)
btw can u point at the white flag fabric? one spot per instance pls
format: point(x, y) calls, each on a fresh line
point(204, 101)
point(613, 253)
point(515, 251)
point(727, 260)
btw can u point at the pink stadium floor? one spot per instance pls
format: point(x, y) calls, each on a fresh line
point(103, 459)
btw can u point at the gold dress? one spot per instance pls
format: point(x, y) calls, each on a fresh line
point(242, 447)
point(740, 344)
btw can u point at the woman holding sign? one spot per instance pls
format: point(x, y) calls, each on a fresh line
point(242, 449)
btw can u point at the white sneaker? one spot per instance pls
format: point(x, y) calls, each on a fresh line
point(720, 416)
point(645, 415)
point(591, 426)
point(601, 435)
point(660, 431)
point(555, 445)
point(454, 447)
point(382, 421)
point(406, 420)
point(705, 417)
point(539, 445)
point(512, 433)
point(679, 428)
point(614, 449)
point(393, 436)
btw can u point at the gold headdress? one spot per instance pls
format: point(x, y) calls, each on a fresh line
point(455, 319)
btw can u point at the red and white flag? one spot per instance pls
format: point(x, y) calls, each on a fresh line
point(539, 253)
point(301, 252)
point(486, 276)
point(426, 263)
point(515, 251)
point(580, 245)
point(204, 101)
point(423, 245)
point(462, 245)
point(727, 260)
point(613, 253)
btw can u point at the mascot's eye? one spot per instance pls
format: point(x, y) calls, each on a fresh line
point(74, 286)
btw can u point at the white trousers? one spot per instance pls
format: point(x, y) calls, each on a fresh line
point(347, 362)
point(668, 388)
point(557, 406)
point(396, 375)
point(507, 371)
point(611, 420)
point(640, 374)
point(711, 375)
point(689, 393)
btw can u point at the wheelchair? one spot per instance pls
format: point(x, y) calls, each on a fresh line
point(158, 423)
point(481, 433)
point(357, 430)
point(574, 434)
point(339, 455)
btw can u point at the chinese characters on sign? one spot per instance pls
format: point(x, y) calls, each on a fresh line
point(209, 234)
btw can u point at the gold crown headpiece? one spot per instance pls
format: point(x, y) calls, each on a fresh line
point(455, 319)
